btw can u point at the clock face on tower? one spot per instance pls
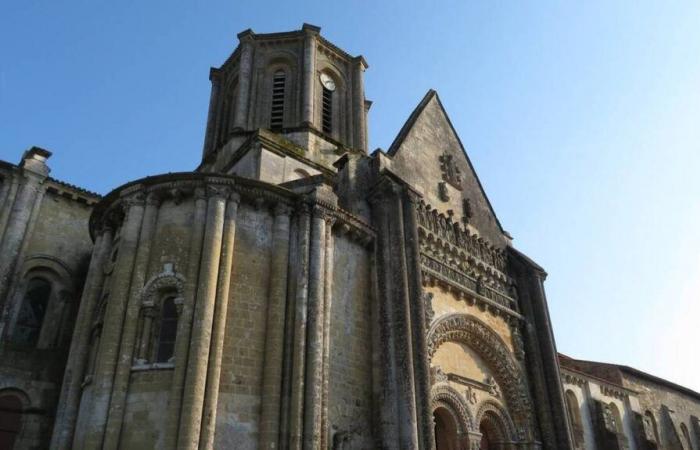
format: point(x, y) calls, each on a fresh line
point(327, 82)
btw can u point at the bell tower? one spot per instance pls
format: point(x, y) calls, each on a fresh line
point(294, 88)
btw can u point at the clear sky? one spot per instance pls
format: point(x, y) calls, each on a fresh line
point(581, 118)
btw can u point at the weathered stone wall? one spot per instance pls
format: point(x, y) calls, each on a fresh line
point(146, 406)
point(43, 233)
point(350, 397)
point(242, 367)
point(672, 409)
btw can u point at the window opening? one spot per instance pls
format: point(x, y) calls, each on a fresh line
point(327, 110)
point(31, 315)
point(167, 331)
point(277, 112)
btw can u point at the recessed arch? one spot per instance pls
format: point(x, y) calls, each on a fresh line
point(45, 291)
point(650, 429)
point(474, 333)
point(13, 403)
point(495, 418)
point(445, 396)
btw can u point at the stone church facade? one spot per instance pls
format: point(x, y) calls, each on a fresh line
point(295, 291)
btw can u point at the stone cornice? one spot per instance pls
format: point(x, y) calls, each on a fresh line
point(274, 143)
point(110, 211)
point(609, 389)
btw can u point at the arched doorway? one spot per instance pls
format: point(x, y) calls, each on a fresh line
point(493, 432)
point(10, 420)
point(446, 434)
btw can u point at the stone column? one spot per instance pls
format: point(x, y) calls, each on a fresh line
point(196, 378)
point(309, 75)
point(296, 413)
point(292, 277)
point(397, 391)
point(33, 172)
point(16, 231)
point(358, 105)
point(542, 364)
point(313, 397)
point(8, 188)
point(421, 364)
point(210, 135)
point(211, 396)
point(408, 436)
point(383, 336)
point(114, 318)
point(240, 117)
point(67, 411)
point(473, 440)
point(274, 338)
point(184, 325)
point(148, 314)
point(327, 303)
point(128, 337)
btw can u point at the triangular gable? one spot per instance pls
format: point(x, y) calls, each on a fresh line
point(418, 154)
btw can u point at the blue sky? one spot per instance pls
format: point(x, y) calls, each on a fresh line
point(581, 118)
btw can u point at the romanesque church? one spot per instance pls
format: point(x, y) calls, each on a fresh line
point(295, 291)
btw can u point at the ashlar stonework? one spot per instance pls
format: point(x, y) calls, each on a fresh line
point(296, 292)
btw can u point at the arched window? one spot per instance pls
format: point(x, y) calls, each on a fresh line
point(301, 173)
point(686, 437)
point(279, 80)
point(615, 418)
point(575, 416)
point(650, 431)
point(32, 312)
point(10, 420)
point(328, 88)
point(167, 330)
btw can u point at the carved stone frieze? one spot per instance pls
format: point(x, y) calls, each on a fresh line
point(444, 229)
point(435, 272)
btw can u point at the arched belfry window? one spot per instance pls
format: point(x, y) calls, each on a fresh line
point(32, 312)
point(279, 81)
point(167, 330)
point(328, 90)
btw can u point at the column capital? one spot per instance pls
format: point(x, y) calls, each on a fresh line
point(137, 198)
point(234, 197)
point(303, 208)
point(199, 193)
point(310, 29)
point(246, 36)
point(282, 209)
point(154, 198)
point(321, 212)
point(221, 192)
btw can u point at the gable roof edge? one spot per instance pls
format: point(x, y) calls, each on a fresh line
point(396, 144)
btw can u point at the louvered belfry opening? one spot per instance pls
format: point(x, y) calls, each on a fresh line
point(327, 119)
point(277, 112)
